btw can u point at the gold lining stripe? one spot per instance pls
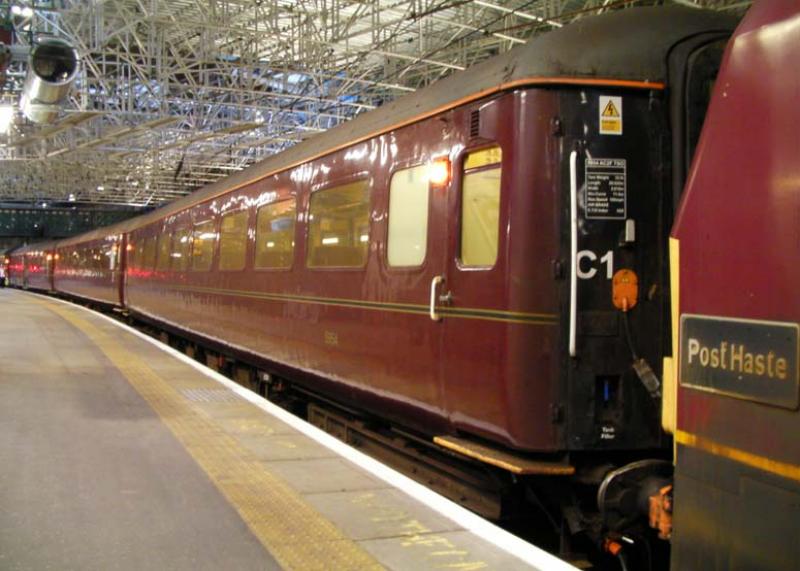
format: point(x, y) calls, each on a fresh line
point(783, 469)
point(296, 535)
point(408, 308)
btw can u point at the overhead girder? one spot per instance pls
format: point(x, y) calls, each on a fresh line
point(174, 94)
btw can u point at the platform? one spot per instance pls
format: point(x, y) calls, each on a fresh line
point(117, 452)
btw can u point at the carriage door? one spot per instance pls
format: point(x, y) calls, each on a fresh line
point(49, 264)
point(468, 297)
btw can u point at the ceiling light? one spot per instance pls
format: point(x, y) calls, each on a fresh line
point(16, 10)
point(101, 188)
point(27, 12)
point(6, 115)
point(71, 198)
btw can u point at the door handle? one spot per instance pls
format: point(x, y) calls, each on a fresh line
point(434, 285)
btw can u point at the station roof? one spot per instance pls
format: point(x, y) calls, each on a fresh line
point(175, 94)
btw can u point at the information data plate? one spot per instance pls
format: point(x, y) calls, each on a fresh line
point(606, 189)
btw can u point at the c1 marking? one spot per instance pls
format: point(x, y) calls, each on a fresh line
point(607, 259)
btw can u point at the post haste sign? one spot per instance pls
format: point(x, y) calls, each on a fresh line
point(753, 360)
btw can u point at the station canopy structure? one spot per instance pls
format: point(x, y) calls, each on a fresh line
point(174, 94)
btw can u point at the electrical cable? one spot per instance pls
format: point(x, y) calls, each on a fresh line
point(623, 564)
point(640, 365)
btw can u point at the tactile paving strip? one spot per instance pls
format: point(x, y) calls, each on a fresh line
point(290, 529)
point(210, 395)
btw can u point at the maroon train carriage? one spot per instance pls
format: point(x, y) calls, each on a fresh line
point(735, 251)
point(92, 267)
point(31, 266)
point(445, 263)
point(15, 268)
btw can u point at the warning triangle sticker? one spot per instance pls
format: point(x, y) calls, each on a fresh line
point(610, 110)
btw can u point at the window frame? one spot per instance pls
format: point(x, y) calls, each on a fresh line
point(215, 228)
point(462, 160)
point(327, 185)
point(135, 261)
point(397, 167)
point(247, 211)
point(177, 230)
point(148, 237)
point(295, 232)
point(167, 235)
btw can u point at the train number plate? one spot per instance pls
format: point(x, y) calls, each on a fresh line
point(752, 360)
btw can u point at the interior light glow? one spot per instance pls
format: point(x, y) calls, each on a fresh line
point(207, 236)
point(6, 115)
point(270, 244)
point(71, 197)
point(364, 237)
point(329, 241)
point(101, 188)
point(439, 172)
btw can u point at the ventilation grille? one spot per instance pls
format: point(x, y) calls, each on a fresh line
point(475, 123)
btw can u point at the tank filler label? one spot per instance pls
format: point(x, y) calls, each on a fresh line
point(606, 189)
point(752, 360)
point(610, 115)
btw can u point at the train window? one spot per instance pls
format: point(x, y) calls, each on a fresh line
point(703, 67)
point(164, 243)
point(93, 259)
point(100, 259)
point(275, 234)
point(138, 258)
point(203, 246)
point(480, 207)
point(338, 226)
point(111, 255)
point(149, 257)
point(181, 248)
point(408, 216)
point(233, 240)
point(492, 156)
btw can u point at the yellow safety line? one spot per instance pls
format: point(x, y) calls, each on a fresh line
point(296, 535)
point(784, 469)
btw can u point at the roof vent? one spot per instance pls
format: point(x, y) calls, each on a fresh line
point(475, 123)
